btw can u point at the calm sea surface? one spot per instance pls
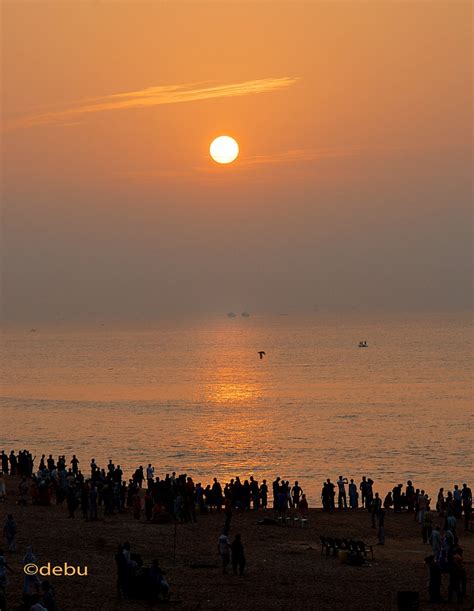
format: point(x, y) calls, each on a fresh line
point(195, 397)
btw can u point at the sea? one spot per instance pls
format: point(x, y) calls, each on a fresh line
point(194, 396)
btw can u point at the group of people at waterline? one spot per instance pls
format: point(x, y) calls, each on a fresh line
point(177, 497)
point(109, 488)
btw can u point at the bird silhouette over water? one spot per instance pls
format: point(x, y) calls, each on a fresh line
point(261, 354)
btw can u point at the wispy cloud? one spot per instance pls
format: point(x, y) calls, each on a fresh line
point(297, 155)
point(287, 159)
point(151, 96)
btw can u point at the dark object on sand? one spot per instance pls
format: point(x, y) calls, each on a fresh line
point(269, 522)
point(408, 601)
point(261, 354)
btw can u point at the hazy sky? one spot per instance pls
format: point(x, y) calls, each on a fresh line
point(353, 187)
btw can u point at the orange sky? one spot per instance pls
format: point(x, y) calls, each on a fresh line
point(353, 183)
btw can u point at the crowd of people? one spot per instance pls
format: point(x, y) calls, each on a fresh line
point(37, 594)
point(57, 481)
point(178, 498)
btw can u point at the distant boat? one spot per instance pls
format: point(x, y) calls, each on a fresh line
point(32, 330)
point(231, 314)
point(245, 314)
point(363, 344)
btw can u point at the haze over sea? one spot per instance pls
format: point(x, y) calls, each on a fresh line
point(194, 397)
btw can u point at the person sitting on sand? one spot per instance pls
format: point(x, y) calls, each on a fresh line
point(388, 500)
point(159, 583)
point(303, 507)
point(49, 597)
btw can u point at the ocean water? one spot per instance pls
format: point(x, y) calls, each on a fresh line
point(194, 396)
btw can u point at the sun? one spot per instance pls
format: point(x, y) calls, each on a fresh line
point(224, 149)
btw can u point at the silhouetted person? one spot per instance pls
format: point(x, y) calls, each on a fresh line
point(238, 556)
point(224, 549)
point(261, 353)
point(434, 584)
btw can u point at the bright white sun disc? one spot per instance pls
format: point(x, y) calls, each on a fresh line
point(224, 149)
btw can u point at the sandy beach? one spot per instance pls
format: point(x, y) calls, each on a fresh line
point(285, 567)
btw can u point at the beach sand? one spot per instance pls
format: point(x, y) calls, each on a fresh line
point(285, 568)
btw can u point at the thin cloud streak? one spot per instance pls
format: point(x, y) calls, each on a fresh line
point(297, 155)
point(153, 96)
point(289, 158)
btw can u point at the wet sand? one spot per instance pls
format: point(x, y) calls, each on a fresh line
point(285, 568)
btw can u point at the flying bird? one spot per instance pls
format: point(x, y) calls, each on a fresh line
point(261, 353)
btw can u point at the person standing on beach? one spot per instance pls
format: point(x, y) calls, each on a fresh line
point(13, 463)
point(264, 494)
point(276, 490)
point(457, 501)
point(296, 492)
point(466, 495)
point(4, 463)
point(30, 582)
point(137, 505)
point(435, 541)
point(3, 488)
point(217, 496)
point(74, 463)
point(410, 496)
point(434, 585)
point(224, 550)
point(150, 474)
point(9, 532)
point(363, 490)
point(369, 494)
point(341, 497)
point(376, 507)
point(353, 495)
point(238, 555)
point(427, 526)
point(441, 504)
point(3, 574)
